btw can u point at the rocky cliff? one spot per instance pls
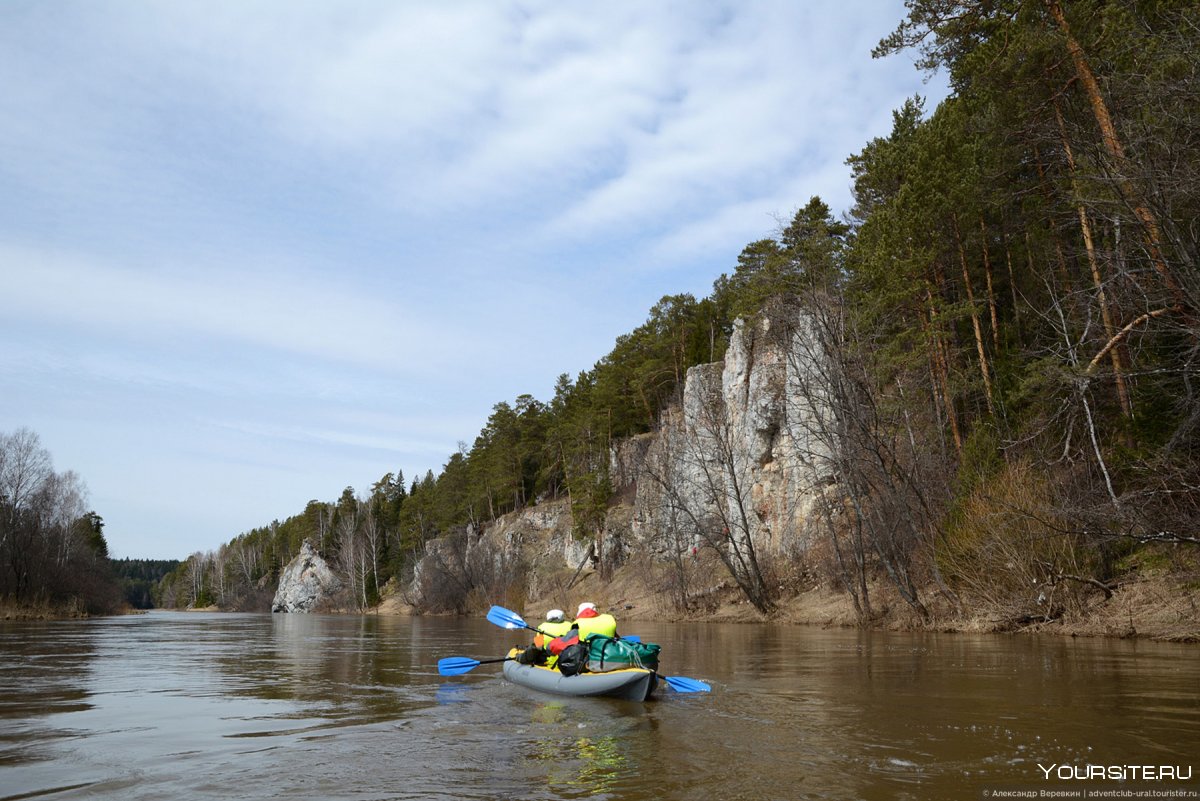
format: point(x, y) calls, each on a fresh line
point(746, 453)
point(306, 582)
point(744, 456)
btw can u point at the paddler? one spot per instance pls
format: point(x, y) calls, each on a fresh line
point(555, 625)
point(589, 622)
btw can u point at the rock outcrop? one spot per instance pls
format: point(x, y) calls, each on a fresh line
point(747, 453)
point(306, 582)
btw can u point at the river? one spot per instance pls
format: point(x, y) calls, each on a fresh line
point(229, 706)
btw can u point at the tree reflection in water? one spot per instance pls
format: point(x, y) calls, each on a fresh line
point(591, 764)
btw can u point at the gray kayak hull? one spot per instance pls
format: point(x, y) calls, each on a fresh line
point(633, 684)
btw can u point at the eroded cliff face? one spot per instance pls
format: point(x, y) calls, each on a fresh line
point(543, 533)
point(746, 454)
point(743, 457)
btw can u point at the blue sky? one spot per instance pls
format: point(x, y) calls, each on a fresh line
point(253, 253)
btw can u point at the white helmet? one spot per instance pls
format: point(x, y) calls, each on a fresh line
point(555, 615)
point(583, 606)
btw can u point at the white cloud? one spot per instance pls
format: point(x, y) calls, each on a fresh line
point(311, 315)
point(315, 236)
point(627, 115)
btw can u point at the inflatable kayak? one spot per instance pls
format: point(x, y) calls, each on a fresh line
point(632, 684)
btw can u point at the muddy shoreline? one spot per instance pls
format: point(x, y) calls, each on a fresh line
point(1156, 608)
point(1163, 608)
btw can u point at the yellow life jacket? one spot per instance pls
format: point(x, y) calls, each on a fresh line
point(600, 624)
point(547, 631)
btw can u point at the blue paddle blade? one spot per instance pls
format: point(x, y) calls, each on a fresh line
point(457, 665)
point(630, 638)
point(505, 619)
point(682, 684)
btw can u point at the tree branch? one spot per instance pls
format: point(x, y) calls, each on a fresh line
point(1124, 332)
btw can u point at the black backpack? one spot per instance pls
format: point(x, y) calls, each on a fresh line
point(573, 659)
point(532, 655)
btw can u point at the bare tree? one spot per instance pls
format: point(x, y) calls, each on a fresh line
point(24, 468)
point(52, 549)
point(247, 558)
point(674, 538)
point(465, 570)
point(197, 572)
point(860, 446)
point(706, 483)
point(352, 553)
point(373, 536)
point(222, 589)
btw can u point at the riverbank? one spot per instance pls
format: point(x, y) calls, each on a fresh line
point(10, 610)
point(1154, 608)
point(1157, 607)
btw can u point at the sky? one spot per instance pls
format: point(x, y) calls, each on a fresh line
point(253, 253)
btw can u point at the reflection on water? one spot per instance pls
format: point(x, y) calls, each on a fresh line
point(575, 759)
point(313, 707)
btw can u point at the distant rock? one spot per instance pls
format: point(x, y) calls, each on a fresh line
point(305, 583)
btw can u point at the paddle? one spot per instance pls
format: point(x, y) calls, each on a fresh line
point(682, 684)
point(507, 619)
point(458, 665)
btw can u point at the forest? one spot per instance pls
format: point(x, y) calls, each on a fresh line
point(54, 558)
point(53, 555)
point(139, 578)
point(1009, 315)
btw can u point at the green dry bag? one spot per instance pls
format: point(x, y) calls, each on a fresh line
point(606, 653)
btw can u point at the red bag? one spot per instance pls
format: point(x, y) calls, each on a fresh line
point(567, 640)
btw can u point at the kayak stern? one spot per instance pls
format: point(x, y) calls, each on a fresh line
point(631, 684)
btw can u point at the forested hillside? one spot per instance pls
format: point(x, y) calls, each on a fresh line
point(53, 554)
point(138, 578)
point(1010, 314)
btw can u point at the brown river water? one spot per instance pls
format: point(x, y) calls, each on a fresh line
point(224, 706)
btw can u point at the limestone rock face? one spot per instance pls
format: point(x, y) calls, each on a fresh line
point(625, 460)
point(542, 532)
point(305, 583)
point(748, 449)
point(746, 454)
